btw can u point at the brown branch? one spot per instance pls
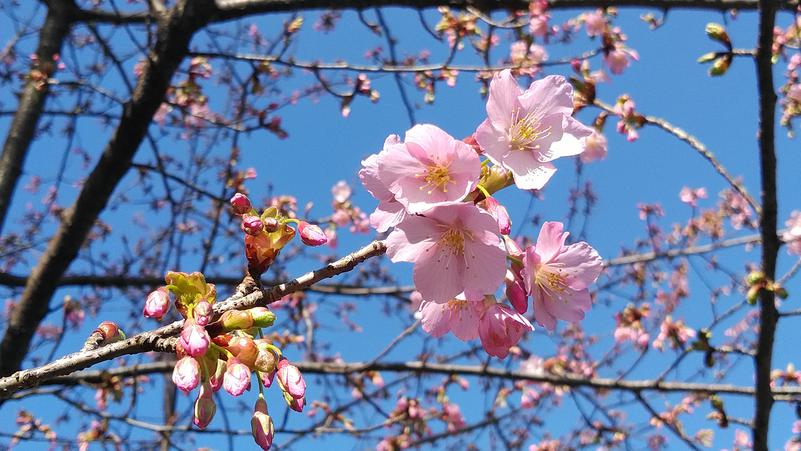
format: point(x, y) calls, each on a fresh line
point(174, 34)
point(767, 224)
point(699, 147)
point(790, 394)
point(32, 100)
point(163, 340)
point(125, 281)
point(236, 9)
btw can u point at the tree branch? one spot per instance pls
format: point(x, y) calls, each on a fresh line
point(790, 394)
point(174, 34)
point(31, 102)
point(767, 224)
point(163, 340)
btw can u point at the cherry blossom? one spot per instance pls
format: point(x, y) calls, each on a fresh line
point(455, 249)
point(526, 131)
point(557, 276)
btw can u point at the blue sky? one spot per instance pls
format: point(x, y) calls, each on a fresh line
point(323, 147)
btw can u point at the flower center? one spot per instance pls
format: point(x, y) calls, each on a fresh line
point(454, 239)
point(437, 176)
point(526, 130)
point(551, 280)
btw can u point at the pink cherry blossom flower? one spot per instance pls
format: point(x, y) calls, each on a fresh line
point(389, 212)
point(792, 236)
point(594, 147)
point(455, 249)
point(675, 333)
point(157, 304)
point(341, 192)
point(595, 23)
point(619, 58)
point(558, 276)
point(690, 196)
point(237, 377)
point(458, 316)
point(194, 338)
point(430, 168)
point(501, 328)
point(525, 131)
point(186, 374)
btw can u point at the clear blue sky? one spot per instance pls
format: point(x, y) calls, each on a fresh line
point(324, 147)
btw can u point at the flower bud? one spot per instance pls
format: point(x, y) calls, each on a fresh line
point(500, 214)
point(265, 360)
point(292, 384)
point(241, 204)
point(252, 225)
point(267, 378)
point(244, 349)
point(202, 313)
point(720, 66)
point(110, 331)
point(237, 377)
point(236, 320)
point(311, 235)
point(216, 378)
point(270, 224)
point(204, 407)
point(717, 32)
point(261, 425)
point(186, 374)
point(515, 291)
point(194, 338)
point(261, 316)
point(157, 304)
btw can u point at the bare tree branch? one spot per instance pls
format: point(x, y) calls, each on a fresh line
point(31, 102)
point(162, 339)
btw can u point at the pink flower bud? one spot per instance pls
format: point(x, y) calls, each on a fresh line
point(252, 225)
point(500, 214)
point(311, 235)
point(194, 339)
point(237, 377)
point(500, 329)
point(216, 379)
point(261, 425)
point(204, 407)
point(157, 304)
point(241, 204)
point(186, 374)
point(203, 312)
point(516, 291)
point(270, 225)
point(268, 378)
point(292, 384)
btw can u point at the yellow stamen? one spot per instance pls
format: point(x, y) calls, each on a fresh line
point(437, 176)
point(527, 130)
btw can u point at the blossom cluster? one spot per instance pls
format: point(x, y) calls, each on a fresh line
point(435, 195)
point(223, 352)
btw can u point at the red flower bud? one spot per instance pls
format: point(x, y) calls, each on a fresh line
point(241, 204)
